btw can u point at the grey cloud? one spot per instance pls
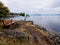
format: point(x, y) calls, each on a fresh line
point(33, 6)
point(56, 3)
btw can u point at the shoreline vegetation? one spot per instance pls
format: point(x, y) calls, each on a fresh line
point(25, 33)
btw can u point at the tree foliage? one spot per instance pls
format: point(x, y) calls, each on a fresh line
point(4, 11)
point(24, 15)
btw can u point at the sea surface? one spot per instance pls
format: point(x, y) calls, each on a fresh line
point(49, 21)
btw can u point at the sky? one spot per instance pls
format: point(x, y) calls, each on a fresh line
point(33, 6)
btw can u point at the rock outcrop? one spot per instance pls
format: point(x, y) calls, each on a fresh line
point(29, 33)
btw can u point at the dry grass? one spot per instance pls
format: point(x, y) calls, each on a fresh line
point(33, 28)
point(1, 26)
point(14, 41)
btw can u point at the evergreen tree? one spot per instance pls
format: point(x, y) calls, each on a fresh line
point(4, 11)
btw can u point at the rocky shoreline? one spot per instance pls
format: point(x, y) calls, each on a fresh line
point(29, 33)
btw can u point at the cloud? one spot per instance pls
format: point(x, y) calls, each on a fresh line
point(56, 3)
point(4, 1)
point(33, 6)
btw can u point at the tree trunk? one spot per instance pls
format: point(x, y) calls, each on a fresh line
point(25, 18)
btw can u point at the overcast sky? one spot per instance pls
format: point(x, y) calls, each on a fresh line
point(33, 6)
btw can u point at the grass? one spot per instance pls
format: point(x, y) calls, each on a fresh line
point(14, 41)
point(1, 26)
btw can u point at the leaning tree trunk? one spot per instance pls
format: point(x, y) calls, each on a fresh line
point(25, 18)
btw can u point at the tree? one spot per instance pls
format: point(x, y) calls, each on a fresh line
point(4, 11)
point(24, 15)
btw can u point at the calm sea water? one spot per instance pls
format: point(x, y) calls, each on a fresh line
point(49, 21)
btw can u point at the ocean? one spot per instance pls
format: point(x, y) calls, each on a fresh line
point(49, 21)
